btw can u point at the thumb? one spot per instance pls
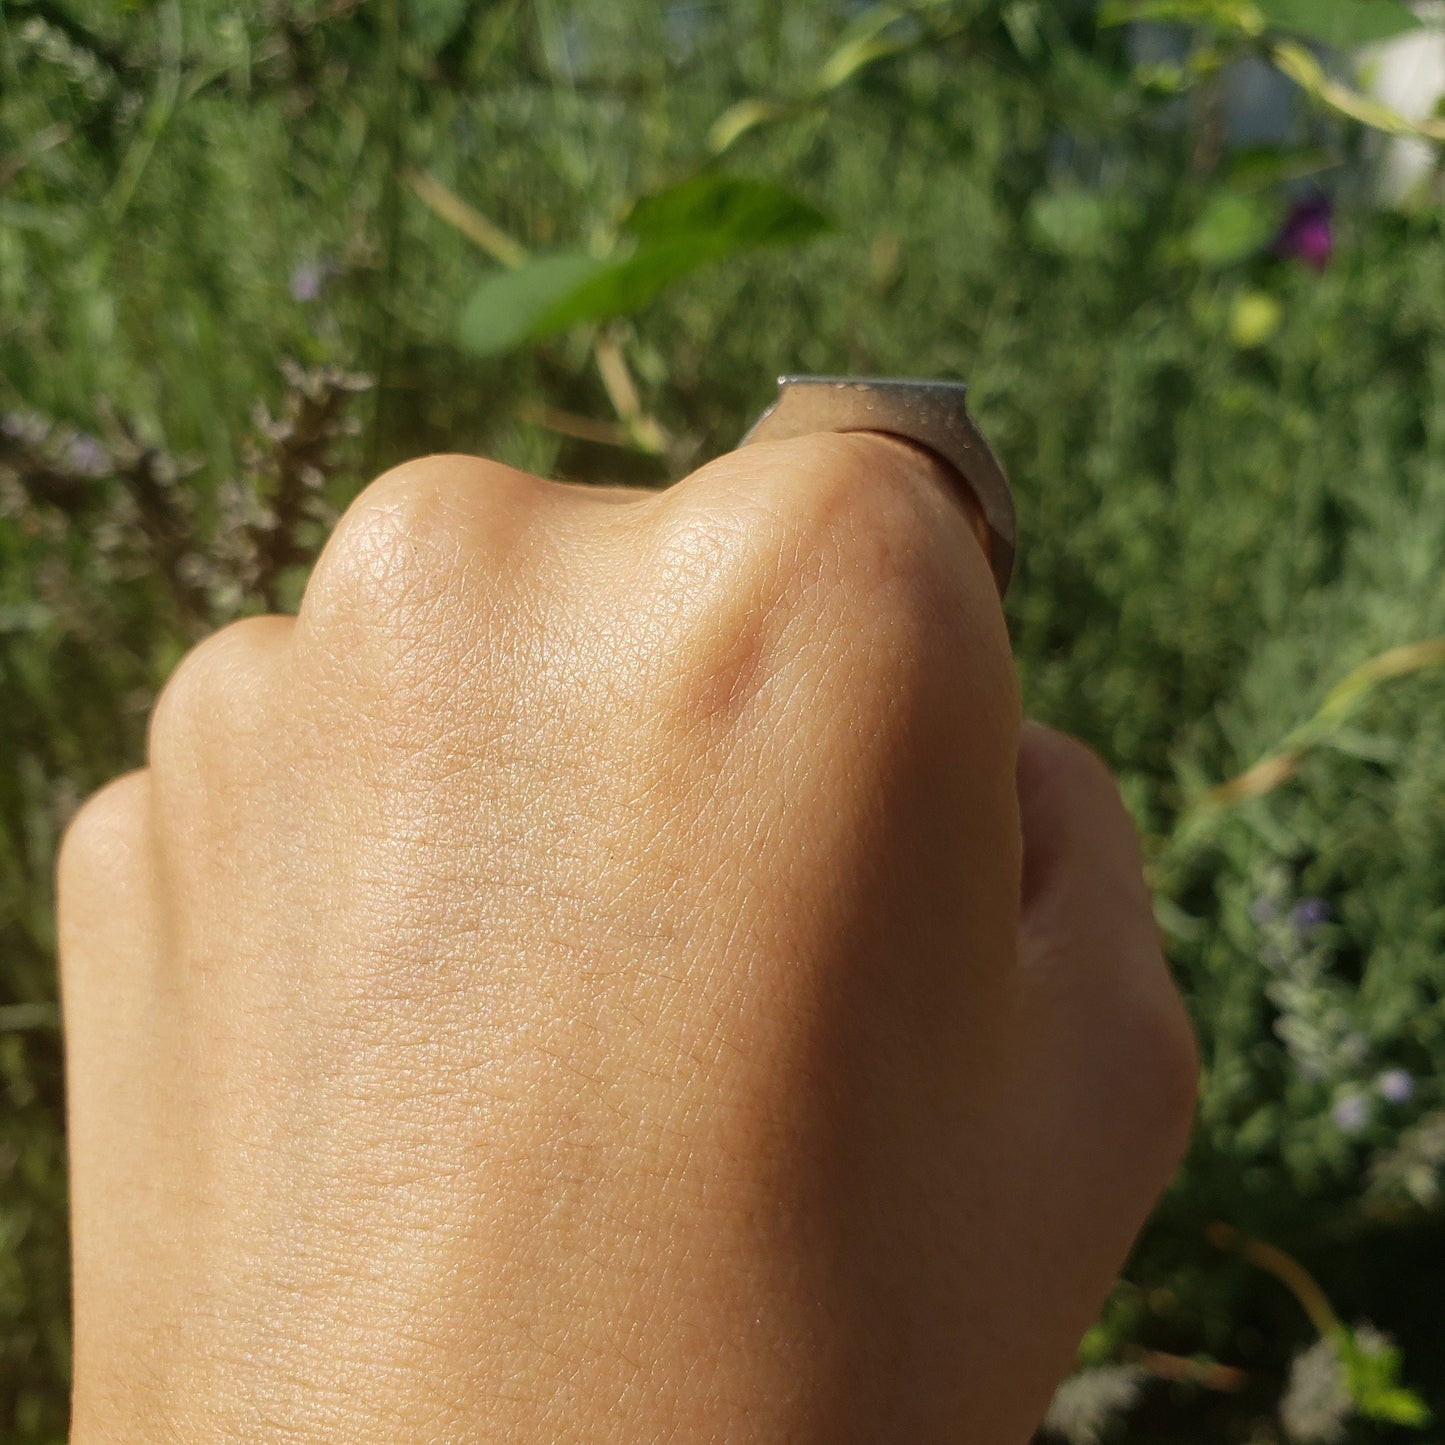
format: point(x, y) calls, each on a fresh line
point(1089, 948)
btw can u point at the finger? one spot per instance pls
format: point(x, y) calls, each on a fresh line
point(117, 1023)
point(1089, 944)
point(105, 908)
point(1083, 877)
point(944, 477)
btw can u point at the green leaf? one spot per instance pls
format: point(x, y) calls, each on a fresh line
point(737, 213)
point(1231, 228)
point(737, 120)
point(1162, 79)
point(1232, 17)
point(1400, 1406)
point(626, 285)
point(1372, 1369)
point(1261, 167)
point(1341, 23)
point(1372, 747)
point(703, 219)
point(851, 57)
point(863, 41)
point(1074, 221)
point(509, 306)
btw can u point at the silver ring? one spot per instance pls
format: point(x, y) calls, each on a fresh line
point(930, 414)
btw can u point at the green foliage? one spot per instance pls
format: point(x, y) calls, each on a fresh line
point(1343, 23)
point(704, 219)
point(432, 23)
point(728, 213)
point(1340, 23)
point(1081, 223)
point(1372, 1369)
point(1230, 471)
point(1232, 228)
point(1348, 1376)
point(543, 295)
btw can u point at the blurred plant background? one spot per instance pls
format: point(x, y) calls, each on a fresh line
point(1187, 252)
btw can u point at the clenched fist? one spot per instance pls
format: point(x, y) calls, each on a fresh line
point(612, 968)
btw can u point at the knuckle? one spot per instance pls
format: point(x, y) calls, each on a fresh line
point(108, 820)
point(898, 560)
point(879, 506)
point(838, 499)
point(884, 542)
point(216, 686)
point(844, 548)
point(849, 502)
point(405, 539)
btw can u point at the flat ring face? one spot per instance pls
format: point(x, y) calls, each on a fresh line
point(931, 414)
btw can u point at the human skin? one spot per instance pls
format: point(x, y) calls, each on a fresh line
point(614, 966)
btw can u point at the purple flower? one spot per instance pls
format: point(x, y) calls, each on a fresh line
point(1396, 1085)
point(85, 456)
point(1308, 232)
point(1351, 1113)
point(307, 280)
point(1309, 914)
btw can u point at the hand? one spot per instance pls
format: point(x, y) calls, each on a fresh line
point(612, 967)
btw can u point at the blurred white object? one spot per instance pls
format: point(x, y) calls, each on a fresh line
point(1408, 74)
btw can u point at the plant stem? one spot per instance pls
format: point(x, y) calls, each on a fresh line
point(467, 219)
